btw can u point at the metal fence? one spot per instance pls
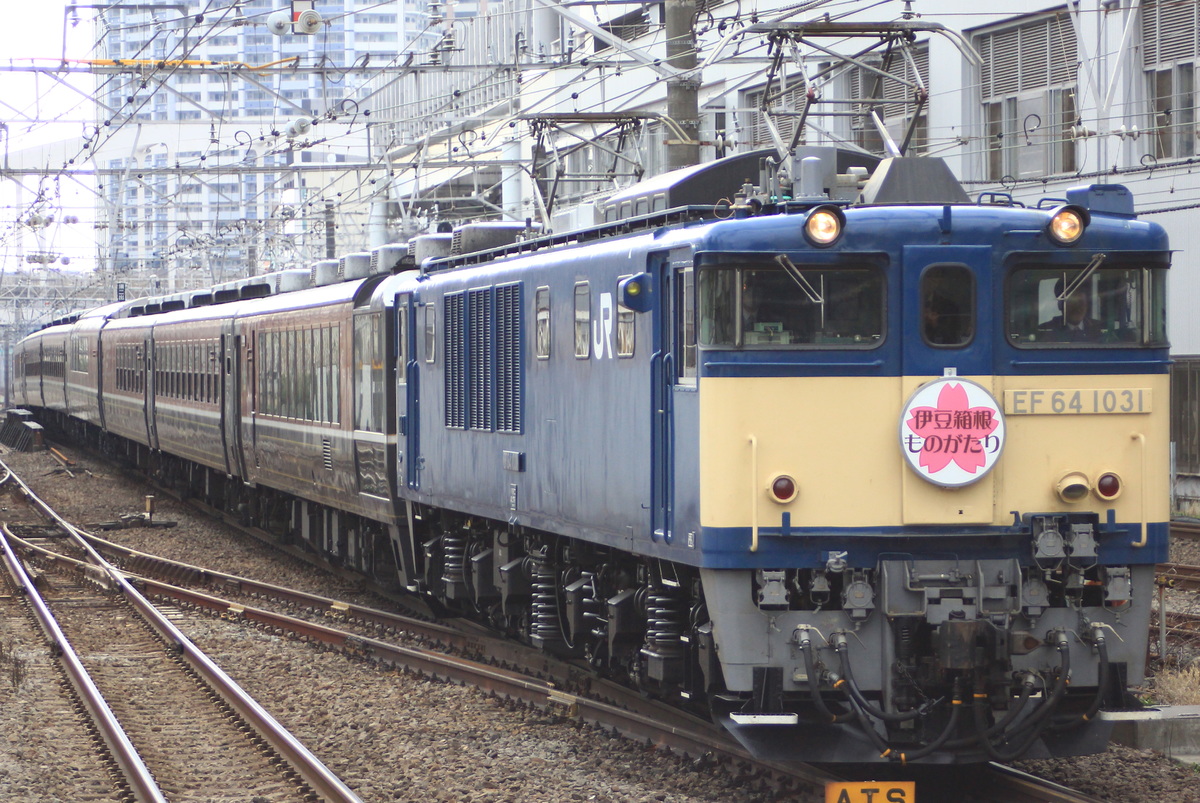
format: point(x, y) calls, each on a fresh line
point(1185, 414)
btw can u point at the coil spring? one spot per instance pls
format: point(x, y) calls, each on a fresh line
point(666, 618)
point(454, 557)
point(544, 608)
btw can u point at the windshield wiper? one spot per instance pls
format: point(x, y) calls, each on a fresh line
point(806, 287)
point(1083, 277)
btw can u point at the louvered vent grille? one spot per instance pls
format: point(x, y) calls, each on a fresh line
point(903, 69)
point(479, 351)
point(508, 359)
point(455, 375)
point(1036, 55)
point(1169, 31)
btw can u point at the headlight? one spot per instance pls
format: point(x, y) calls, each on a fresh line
point(1073, 487)
point(824, 225)
point(1067, 224)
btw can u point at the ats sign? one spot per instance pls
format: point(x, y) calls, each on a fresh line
point(952, 432)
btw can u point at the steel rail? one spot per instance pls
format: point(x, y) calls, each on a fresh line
point(138, 777)
point(1179, 575)
point(686, 734)
point(563, 675)
point(314, 772)
point(1189, 530)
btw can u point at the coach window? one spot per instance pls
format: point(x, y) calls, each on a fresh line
point(306, 365)
point(262, 400)
point(1105, 303)
point(368, 374)
point(947, 305)
point(79, 354)
point(287, 376)
point(583, 321)
point(541, 312)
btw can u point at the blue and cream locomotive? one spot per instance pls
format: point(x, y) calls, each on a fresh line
point(871, 471)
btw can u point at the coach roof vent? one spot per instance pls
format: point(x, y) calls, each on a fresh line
point(355, 266)
point(426, 246)
point(389, 258)
point(913, 180)
point(489, 234)
point(325, 272)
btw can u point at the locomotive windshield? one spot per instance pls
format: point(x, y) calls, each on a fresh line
point(779, 304)
point(1085, 306)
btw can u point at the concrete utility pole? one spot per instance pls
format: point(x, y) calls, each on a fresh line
point(683, 91)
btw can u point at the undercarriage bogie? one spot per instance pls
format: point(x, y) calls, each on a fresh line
point(637, 620)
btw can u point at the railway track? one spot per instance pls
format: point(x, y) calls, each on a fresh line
point(1189, 530)
point(173, 725)
point(1179, 575)
point(1184, 623)
point(557, 686)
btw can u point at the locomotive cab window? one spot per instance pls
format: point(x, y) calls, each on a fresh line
point(625, 325)
point(1081, 306)
point(763, 302)
point(947, 305)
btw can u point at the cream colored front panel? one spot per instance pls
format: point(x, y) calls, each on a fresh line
point(840, 439)
point(1050, 444)
point(836, 436)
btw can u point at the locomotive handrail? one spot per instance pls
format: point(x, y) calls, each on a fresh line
point(753, 494)
point(1131, 365)
point(1141, 439)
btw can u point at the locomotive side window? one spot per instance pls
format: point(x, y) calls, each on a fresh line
point(779, 304)
point(541, 312)
point(685, 332)
point(624, 325)
point(947, 305)
point(1085, 306)
point(583, 321)
point(430, 332)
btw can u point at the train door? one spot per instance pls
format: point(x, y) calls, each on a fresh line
point(673, 370)
point(407, 432)
point(951, 426)
point(40, 399)
point(231, 431)
point(148, 402)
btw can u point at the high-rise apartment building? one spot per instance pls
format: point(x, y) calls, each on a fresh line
point(218, 169)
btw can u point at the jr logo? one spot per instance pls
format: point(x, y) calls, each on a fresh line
point(602, 329)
